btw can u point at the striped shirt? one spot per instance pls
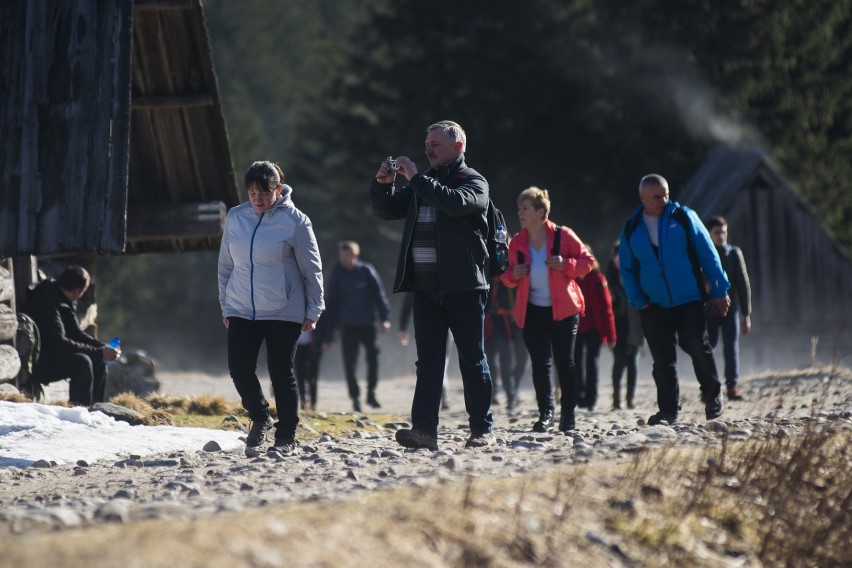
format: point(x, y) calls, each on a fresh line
point(424, 248)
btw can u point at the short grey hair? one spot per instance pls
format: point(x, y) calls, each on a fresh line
point(452, 129)
point(655, 180)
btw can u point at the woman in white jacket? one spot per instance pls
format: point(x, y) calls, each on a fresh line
point(270, 289)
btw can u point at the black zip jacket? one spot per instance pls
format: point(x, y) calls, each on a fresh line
point(460, 196)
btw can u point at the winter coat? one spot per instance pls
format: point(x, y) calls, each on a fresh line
point(598, 316)
point(269, 264)
point(565, 294)
point(459, 195)
point(735, 268)
point(666, 276)
point(56, 318)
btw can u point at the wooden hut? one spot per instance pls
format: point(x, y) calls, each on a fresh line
point(112, 137)
point(801, 279)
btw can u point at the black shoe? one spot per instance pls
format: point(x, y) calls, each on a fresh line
point(480, 440)
point(662, 417)
point(283, 448)
point(545, 422)
point(356, 405)
point(713, 407)
point(566, 422)
point(734, 393)
point(416, 439)
point(371, 400)
point(257, 432)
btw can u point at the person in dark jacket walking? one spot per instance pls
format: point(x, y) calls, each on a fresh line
point(355, 295)
point(596, 328)
point(628, 335)
point(443, 258)
point(739, 315)
point(665, 255)
point(66, 350)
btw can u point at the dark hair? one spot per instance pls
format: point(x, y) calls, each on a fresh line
point(74, 278)
point(716, 221)
point(264, 175)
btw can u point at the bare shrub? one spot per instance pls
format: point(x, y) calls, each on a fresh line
point(133, 402)
point(208, 405)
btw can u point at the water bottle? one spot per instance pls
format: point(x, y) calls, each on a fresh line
point(114, 343)
point(501, 252)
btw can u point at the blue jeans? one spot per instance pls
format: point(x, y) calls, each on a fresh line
point(664, 329)
point(435, 316)
point(730, 328)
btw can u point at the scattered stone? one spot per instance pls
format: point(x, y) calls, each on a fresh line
point(116, 510)
point(212, 446)
point(118, 412)
point(42, 464)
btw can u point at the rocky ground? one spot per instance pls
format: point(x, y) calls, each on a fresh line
point(201, 484)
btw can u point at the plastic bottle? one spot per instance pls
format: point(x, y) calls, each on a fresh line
point(502, 250)
point(114, 343)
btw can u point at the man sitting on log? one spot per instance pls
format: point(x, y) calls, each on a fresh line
point(66, 350)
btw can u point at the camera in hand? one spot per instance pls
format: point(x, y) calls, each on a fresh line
point(392, 165)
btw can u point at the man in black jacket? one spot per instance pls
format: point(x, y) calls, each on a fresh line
point(738, 317)
point(66, 350)
point(444, 260)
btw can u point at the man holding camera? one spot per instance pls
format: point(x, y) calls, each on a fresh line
point(443, 260)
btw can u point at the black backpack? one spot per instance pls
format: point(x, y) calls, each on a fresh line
point(498, 253)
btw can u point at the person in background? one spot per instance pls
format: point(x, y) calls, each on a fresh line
point(628, 335)
point(548, 302)
point(270, 289)
point(66, 350)
point(443, 259)
point(596, 328)
point(739, 314)
point(355, 296)
point(309, 350)
point(665, 254)
point(504, 343)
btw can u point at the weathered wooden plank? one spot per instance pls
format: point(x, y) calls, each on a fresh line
point(172, 102)
point(185, 220)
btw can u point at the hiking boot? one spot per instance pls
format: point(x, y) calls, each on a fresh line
point(713, 407)
point(662, 418)
point(566, 422)
point(510, 404)
point(416, 439)
point(630, 402)
point(545, 422)
point(356, 405)
point(480, 440)
point(734, 393)
point(283, 448)
point(257, 432)
point(371, 400)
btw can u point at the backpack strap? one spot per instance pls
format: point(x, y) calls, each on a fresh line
point(557, 238)
point(679, 215)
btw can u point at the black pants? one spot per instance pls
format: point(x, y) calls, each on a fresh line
point(351, 336)
point(307, 365)
point(624, 357)
point(463, 313)
point(88, 376)
point(551, 342)
point(587, 353)
point(664, 329)
point(244, 340)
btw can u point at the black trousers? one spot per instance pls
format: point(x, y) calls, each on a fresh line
point(587, 354)
point(551, 342)
point(351, 337)
point(244, 340)
point(683, 325)
point(88, 376)
point(307, 364)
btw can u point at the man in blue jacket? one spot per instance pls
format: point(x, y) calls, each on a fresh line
point(667, 260)
point(444, 261)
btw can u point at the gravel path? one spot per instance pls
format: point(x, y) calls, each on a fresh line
point(193, 484)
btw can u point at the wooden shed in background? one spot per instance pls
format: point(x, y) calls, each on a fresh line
point(112, 137)
point(801, 278)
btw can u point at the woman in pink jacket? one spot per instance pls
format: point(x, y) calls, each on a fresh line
point(544, 260)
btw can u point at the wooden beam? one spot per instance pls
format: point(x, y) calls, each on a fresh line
point(179, 101)
point(151, 5)
point(175, 221)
